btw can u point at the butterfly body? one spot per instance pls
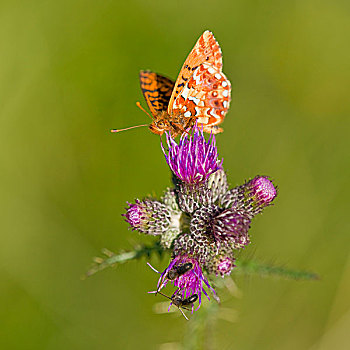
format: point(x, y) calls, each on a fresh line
point(175, 124)
point(200, 94)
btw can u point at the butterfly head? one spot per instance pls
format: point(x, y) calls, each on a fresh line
point(158, 128)
point(175, 124)
point(161, 124)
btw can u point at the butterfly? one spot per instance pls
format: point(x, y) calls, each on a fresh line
point(201, 93)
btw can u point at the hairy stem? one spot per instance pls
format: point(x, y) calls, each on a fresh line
point(255, 267)
point(113, 259)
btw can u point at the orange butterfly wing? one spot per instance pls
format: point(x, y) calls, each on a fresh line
point(201, 89)
point(157, 90)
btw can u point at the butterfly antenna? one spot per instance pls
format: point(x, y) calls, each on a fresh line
point(131, 127)
point(138, 104)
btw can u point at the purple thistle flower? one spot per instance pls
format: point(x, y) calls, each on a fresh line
point(193, 159)
point(136, 215)
point(262, 191)
point(187, 284)
point(200, 219)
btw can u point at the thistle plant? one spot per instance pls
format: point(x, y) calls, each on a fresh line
point(200, 220)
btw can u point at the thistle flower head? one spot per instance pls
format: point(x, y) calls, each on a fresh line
point(137, 215)
point(224, 266)
point(217, 183)
point(262, 190)
point(257, 194)
point(148, 216)
point(230, 227)
point(252, 197)
point(185, 273)
point(196, 244)
point(222, 262)
point(193, 159)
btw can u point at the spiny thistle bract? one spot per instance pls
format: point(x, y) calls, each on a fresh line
point(200, 219)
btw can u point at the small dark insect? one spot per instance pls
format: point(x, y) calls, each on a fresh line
point(177, 271)
point(182, 303)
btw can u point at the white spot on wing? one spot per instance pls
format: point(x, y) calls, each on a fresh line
point(196, 77)
point(185, 92)
point(212, 113)
point(211, 70)
point(225, 93)
point(198, 111)
point(187, 114)
point(224, 83)
point(218, 76)
point(194, 99)
point(203, 120)
point(225, 104)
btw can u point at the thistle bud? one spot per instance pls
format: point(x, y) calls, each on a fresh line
point(262, 191)
point(149, 217)
point(252, 197)
point(217, 183)
point(221, 264)
point(224, 266)
point(230, 228)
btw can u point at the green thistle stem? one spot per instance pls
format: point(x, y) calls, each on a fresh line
point(113, 259)
point(242, 266)
point(254, 267)
point(201, 328)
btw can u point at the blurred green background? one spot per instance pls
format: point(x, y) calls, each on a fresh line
point(69, 73)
